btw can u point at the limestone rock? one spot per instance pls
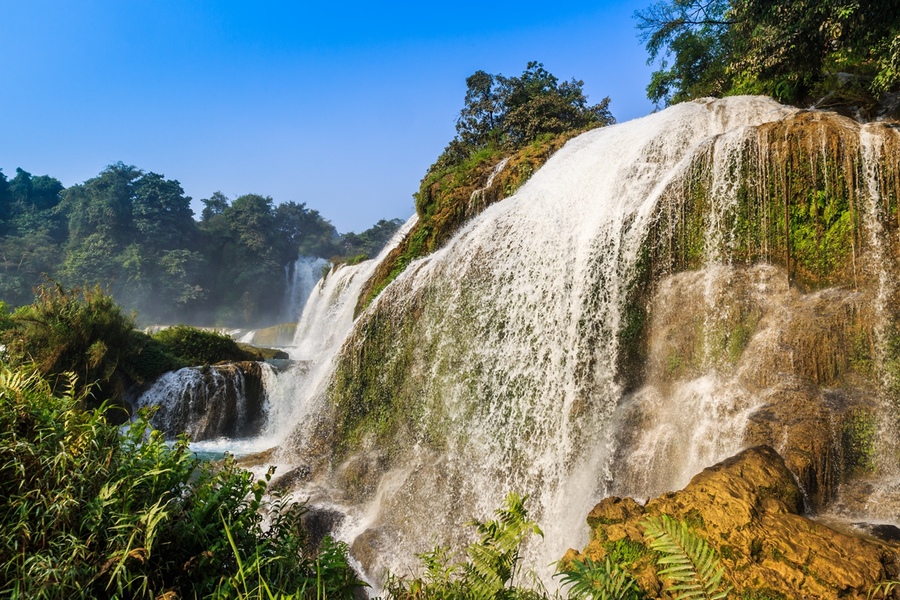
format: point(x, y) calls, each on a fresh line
point(748, 508)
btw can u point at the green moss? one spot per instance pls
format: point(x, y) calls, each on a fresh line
point(694, 519)
point(625, 551)
point(858, 436)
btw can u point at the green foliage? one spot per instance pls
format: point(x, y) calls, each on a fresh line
point(589, 580)
point(625, 551)
point(198, 347)
point(72, 337)
point(691, 566)
point(797, 51)
point(87, 512)
point(512, 111)
point(370, 242)
point(490, 569)
point(133, 232)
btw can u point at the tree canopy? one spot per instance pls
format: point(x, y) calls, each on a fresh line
point(512, 111)
point(797, 51)
point(133, 232)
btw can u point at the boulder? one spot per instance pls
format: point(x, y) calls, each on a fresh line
point(748, 508)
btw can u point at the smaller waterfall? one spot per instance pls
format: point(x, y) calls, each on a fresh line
point(211, 402)
point(301, 277)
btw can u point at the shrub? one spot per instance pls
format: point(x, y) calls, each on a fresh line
point(75, 337)
point(199, 347)
point(89, 512)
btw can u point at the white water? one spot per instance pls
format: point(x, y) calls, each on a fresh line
point(519, 336)
point(301, 278)
point(515, 347)
point(212, 405)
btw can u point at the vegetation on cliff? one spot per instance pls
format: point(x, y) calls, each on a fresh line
point(507, 128)
point(832, 53)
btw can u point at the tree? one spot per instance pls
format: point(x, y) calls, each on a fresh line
point(513, 111)
point(482, 111)
point(161, 213)
point(304, 232)
point(536, 104)
point(214, 205)
point(796, 51)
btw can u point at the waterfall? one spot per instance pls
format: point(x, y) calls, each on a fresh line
point(210, 402)
point(301, 277)
point(648, 303)
point(499, 352)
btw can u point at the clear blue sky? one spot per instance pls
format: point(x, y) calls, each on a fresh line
point(339, 105)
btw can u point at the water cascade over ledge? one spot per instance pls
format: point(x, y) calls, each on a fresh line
point(660, 295)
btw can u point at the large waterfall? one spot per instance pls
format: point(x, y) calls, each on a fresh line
point(650, 302)
point(496, 364)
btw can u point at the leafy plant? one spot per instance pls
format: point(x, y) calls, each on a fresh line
point(89, 511)
point(691, 565)
point(491, 567)
point(883, 589)
point(589, 580)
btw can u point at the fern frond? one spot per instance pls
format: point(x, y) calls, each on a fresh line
point(588, 580)
point(691, 565)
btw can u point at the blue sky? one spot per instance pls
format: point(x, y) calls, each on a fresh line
point(341, 106)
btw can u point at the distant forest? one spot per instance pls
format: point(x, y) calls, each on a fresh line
point(133, 233)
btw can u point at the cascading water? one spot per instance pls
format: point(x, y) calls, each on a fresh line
point(506, 361)
point(501, 349)
point(221, 402)
point(301, 278)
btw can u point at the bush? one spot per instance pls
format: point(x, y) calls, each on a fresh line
point(87, 512)
point(200, 347)
point(76, 337)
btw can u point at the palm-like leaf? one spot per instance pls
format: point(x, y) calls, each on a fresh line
point(691, 566)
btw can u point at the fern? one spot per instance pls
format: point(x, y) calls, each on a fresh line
point(588, 580)
point(494, 558)
point(691, 565)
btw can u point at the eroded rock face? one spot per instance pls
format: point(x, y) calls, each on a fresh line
point(748, 508)
point(758, 362)
point(210, 401)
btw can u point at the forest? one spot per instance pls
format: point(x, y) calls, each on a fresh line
point(133, 232)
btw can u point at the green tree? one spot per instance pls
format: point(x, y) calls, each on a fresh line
point(536, 104)
point(797, 51)
point(512, 111)
point(480, 117)
point(303, 232)
point(161, 213)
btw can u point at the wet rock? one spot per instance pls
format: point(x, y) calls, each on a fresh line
point(292, 478)
point(748, 508)
point(320, 522)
